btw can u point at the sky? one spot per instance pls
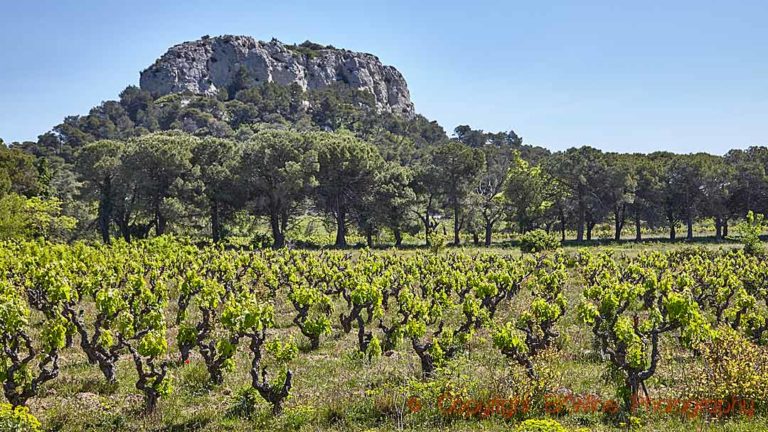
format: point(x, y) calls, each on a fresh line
point(618, 75)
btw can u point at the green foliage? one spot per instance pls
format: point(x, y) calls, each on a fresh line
point(749, 233)
point(347, 173)
point(27, 218)
point(458, 168)
point(437, 243)
point(540, 425)
point(18, 419)
point(630, 309)
point(734, 368)
point(537, 323)
point(309, 49)
point(313, 309)
point(123, 299)
point(526, 191)
point(538, 241)
point(282, 351)
point(278, 169)
point(24, 364)
point(374, 348)
point(18, 173)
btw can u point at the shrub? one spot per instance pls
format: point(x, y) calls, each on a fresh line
point(749, 233)
point(538, 241)
point(540, 425)
point(261, 240)
point(733, 368)
point(17, 419)
point(437, 243)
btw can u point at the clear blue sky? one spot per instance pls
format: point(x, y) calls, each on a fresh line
point(686, 75)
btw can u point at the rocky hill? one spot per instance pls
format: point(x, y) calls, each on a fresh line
point(211, 64)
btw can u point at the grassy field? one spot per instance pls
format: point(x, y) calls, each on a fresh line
point(335, 388)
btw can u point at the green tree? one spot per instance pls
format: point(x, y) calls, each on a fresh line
point(426, 185)
point(630, 309)
point(682, 190)
point(241, 81)
point(525, 194)
point(216, 161)
point(749, 233)
point(158, 168)
point(490, 187)
point(749, 189)
point(26, 362)
point(646, 191)
point(616, 190)
point(393, 200)
point(29, 218)
point(347, 174)
point(278, 170)
point(718, 178)
point(18, 173)
point(580, 171)
point(98, 165)
point(458, 168)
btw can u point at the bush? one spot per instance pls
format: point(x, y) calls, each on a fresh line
point(538, 241)
point(437, 243)
point(540, 425)
point(261, 241)
point(17, 419)
point(749, 233)
point(29, 218)
point(733, 367)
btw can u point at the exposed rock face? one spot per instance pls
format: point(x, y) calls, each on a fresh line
point(210, 64)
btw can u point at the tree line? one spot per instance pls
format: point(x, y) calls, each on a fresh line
point(145, 185)
point(137, 166)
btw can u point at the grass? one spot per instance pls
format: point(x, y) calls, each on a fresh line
point(335, 389)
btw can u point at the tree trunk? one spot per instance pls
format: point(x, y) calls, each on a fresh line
point(488, 232)
point(718, 228)
point(215, 222)
point(618, 218)
point(590, 225)
point(284, 222)
point(638, 228)
point(427, 226)
point(105, 211)
point(104, 225)
point(522, 225)
point(725, 227)
point(398, 237)
point(580, 224)
point(689, 222)
point(633, 383)
point(475, 238)
point(562, 225)
point(278, 236)
point(456, 226)
point(369, 237)
point(125, 231)
point(161, 222)
point(672, 232)
point(341, 229)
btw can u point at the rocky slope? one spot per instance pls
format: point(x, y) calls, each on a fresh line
point(213, 63)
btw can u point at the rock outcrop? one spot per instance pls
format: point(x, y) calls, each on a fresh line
point(213, 63)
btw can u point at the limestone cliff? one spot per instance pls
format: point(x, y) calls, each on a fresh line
point(213, 63)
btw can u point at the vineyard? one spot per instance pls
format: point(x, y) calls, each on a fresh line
point(165, 335)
